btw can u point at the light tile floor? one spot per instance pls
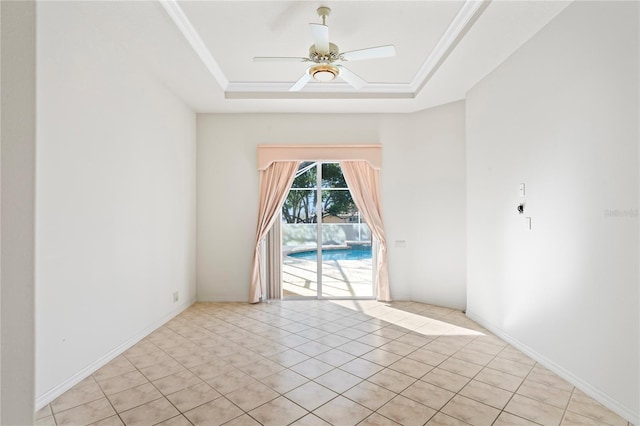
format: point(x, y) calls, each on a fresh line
point(323, 363)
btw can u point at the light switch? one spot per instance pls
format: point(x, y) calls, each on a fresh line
point(521, 190)
point(401, 243)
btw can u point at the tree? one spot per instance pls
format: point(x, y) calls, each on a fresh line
point(336, 202)
point(300, 205)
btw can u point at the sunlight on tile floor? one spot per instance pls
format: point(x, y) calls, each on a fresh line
point(323, 363)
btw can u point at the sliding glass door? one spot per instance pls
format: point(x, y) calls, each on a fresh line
point(300, 235)
point(326, 246)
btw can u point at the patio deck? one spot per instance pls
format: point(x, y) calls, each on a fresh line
point(340, 278)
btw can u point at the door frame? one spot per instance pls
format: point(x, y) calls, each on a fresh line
point(319, 244)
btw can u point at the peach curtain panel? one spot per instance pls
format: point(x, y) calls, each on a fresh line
point(275, 182)
point(366, 188)
point(273, 257)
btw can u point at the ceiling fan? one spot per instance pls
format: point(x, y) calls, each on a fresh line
point(323, 55)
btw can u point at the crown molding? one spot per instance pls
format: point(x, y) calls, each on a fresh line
point(314, 90)
point(183, 23)
point(461, 23)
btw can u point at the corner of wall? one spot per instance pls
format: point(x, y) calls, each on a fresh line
point(17, 230)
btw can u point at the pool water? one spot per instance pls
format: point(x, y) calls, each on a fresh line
point(353, 253)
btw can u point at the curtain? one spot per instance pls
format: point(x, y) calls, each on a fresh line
point(274, 259)
point(275, 182)
point(365, 186)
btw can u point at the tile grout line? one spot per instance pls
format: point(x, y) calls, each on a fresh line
point(471, 379)
point(250, 324)
point(566, 407)
point(203, 381)
point(386, 367)
point(514, 394)
point(402, 357)
point(152, 384)
point(405, 356)
point(107, 398)
point(333, 369)
point(279, 394)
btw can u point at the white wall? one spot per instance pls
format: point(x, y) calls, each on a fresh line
point(115, 193)
point(423, 194)
point(425, 199)
point(561, 115)
point(17, 154)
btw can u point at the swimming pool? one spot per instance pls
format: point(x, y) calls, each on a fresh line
point(351, 253)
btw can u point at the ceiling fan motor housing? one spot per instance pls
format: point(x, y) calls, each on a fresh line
point(324, 57)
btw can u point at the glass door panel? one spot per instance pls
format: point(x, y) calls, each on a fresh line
point(346, 240)
point(300, 235)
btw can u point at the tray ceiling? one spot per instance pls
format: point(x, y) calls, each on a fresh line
point(203, 50)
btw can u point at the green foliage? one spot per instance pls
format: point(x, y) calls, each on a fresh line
point(300, 205)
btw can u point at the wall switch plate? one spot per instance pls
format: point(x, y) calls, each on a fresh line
point(521, 190)
point(401, 243)
point(176, 296)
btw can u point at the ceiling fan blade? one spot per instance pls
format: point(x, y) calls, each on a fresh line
point(351, 78)
point(278, 59)
point(370, 53)
point(320, 35)
point(301, 82)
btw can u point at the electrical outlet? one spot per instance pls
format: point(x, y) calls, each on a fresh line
point(176, 296)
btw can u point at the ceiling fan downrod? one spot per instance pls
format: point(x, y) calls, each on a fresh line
point(323, 12)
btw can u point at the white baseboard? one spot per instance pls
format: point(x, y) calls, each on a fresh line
point(585, 387)
point(55, 392)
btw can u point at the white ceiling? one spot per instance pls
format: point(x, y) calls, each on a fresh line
point(203, 50)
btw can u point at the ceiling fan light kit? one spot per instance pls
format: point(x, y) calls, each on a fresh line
point(324, 72)
point(324, 53)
